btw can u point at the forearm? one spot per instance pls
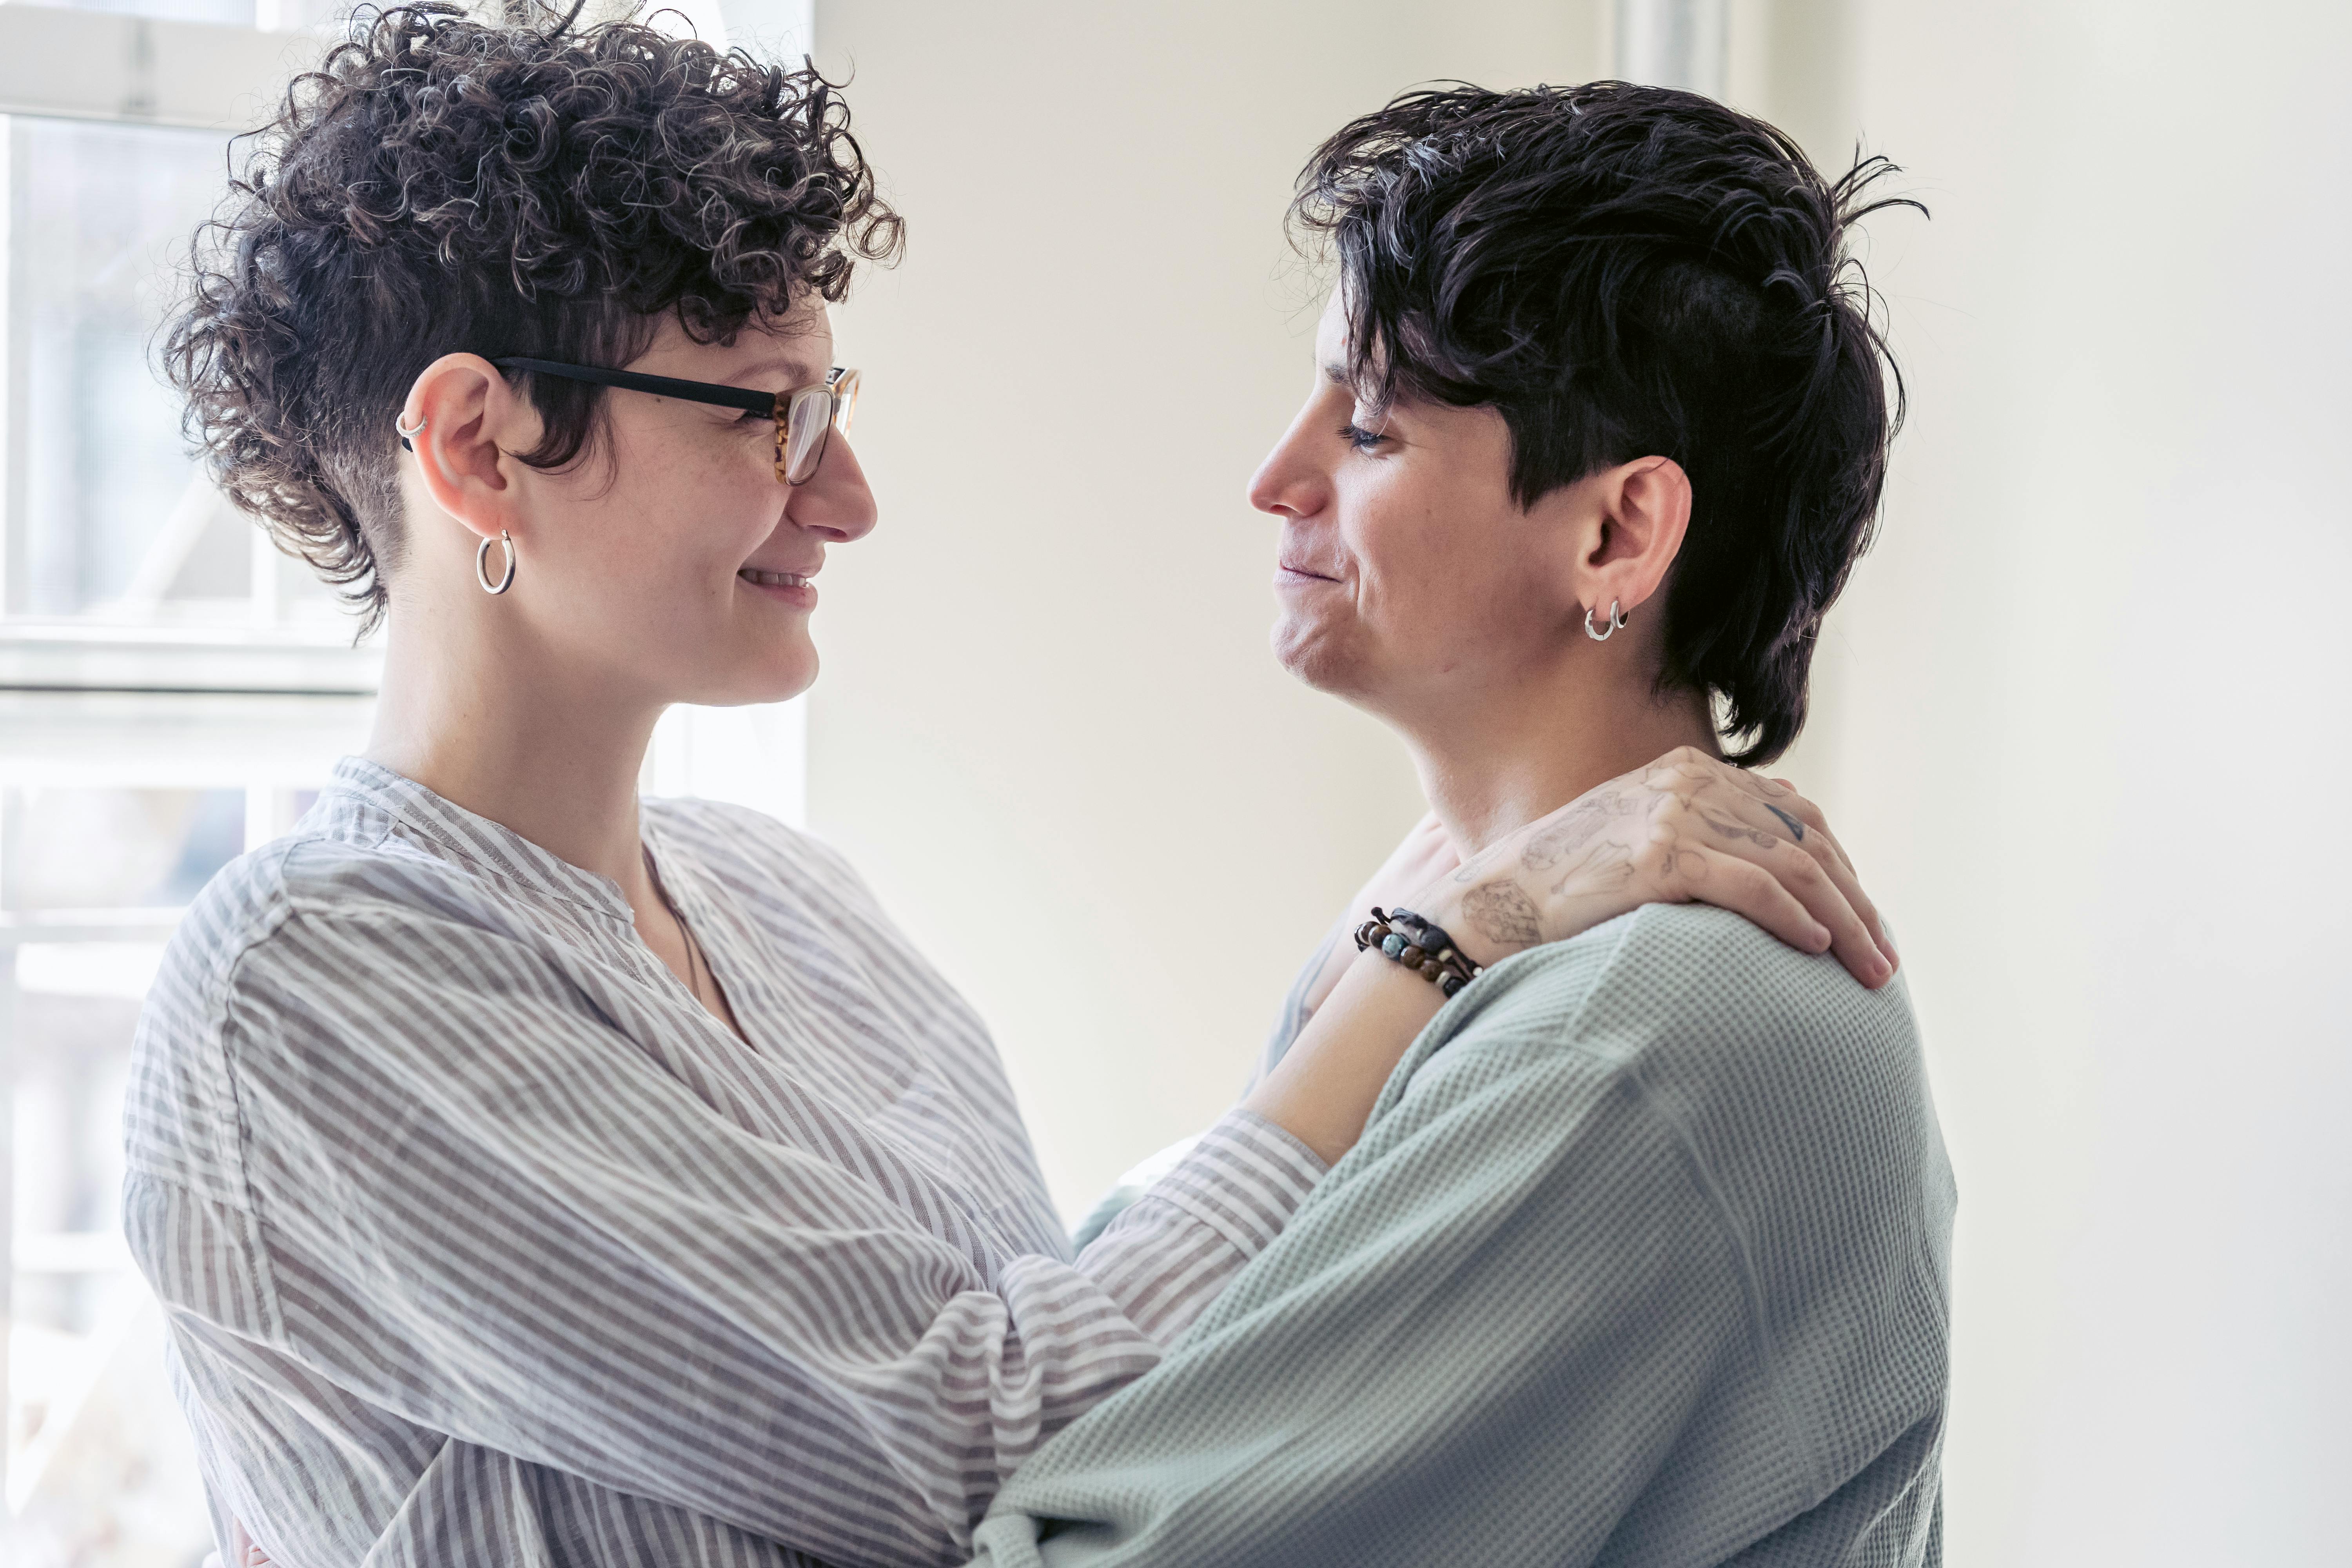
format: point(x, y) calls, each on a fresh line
point(1323, 1089)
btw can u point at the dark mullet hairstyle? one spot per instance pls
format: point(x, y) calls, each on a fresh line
point(1625, 272)
point(441, 185)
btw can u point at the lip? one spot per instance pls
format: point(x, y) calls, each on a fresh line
point(1286, 575)
point(792, 588)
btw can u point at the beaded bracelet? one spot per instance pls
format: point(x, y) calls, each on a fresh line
point(1420, 946)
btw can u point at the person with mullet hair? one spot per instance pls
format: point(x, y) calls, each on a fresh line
point(1642, 1257)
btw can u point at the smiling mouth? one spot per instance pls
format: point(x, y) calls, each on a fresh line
point(773, 579)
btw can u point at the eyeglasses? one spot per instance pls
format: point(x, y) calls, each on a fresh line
point(806, 419)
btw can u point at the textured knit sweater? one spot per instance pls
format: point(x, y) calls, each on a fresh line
point(1643, 1259)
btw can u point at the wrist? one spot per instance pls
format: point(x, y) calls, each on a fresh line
point(1465, 919)
point(1420, 946)
point(1324, 1088)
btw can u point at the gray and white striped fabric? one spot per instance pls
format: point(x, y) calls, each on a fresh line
point(483, 1243)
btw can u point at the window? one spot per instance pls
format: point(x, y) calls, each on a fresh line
point(172, 692)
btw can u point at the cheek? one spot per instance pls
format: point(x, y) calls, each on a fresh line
point(681, 530)
point(1410, 553)
point(1442, 582)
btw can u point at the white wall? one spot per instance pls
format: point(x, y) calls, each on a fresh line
point(1048, 729)
point(2083, 737)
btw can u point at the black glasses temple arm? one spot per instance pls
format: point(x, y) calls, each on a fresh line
point(659, 385)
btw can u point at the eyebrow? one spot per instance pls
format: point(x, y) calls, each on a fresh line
point(768, 373)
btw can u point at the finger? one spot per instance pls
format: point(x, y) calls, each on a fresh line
point(1817, 825)
point(1779, 799)
point(1748, 890)
point(1841, 865)
point(1816, 841)
point(1812, 885)
point(1807, 860)
point(1768, 821)
point(1784, 797)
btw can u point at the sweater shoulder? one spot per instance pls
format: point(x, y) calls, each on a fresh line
point(1687, 992)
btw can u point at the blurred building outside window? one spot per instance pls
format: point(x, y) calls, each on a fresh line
point(172, 692)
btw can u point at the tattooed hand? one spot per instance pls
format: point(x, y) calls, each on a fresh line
point(1688, 827)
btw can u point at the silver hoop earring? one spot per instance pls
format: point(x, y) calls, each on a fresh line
point(404, 432)
point(1617, 618)
point(482, 566)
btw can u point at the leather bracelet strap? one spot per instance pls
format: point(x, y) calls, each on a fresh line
point(1421, 946)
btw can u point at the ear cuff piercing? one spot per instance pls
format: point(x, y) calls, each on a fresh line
point(1616, 624)
point(404, 432)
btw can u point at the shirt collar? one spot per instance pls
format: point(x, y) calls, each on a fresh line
point(484, 846)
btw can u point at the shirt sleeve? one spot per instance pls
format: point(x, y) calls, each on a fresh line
point(488, 1212)
point(1166, 1255)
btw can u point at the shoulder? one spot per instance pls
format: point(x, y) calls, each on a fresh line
point(249, 901)
point(260, 913)
point(1796, 1096)
point(1786, 1103)
point(353, 929)
point(1673, 990)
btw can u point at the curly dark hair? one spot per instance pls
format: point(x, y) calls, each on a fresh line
point(1627, 271)
point(439, 184)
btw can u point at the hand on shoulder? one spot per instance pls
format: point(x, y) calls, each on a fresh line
point(1686, 829)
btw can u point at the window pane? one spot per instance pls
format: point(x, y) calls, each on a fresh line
point(111, 517)
point(105, 487)
point(107, 849)
point(231, 13)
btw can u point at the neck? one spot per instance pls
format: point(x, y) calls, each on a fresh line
point(470, 713)
point(1493, 766)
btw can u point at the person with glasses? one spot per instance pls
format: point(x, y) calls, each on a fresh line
point(534, 1174)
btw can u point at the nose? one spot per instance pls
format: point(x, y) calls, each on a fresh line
point(1290, 483)
point(835, 502)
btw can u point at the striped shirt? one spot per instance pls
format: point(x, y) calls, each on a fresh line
point(483, 1243)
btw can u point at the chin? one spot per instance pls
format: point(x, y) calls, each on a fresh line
point(1317, 655)
point(770, 675)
